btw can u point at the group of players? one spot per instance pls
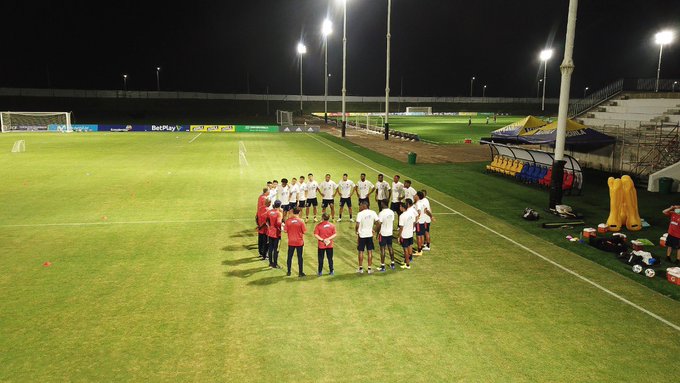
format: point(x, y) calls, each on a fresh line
point(280, 206)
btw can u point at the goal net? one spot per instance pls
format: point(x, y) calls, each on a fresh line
point(284, 118)
point(425, 110)
point(19, 146)
point(35, 121)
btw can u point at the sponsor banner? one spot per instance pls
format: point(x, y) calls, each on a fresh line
point(257, 128)
point(471, 114)
point(142, 128)
point(74, 127)
point(299, 129)
point(213, 128)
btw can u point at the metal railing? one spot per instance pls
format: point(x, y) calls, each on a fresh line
point(595, 98)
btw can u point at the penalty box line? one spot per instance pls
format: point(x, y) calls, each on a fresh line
point(561, 267)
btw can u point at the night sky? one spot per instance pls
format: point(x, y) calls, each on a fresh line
point(437, 45)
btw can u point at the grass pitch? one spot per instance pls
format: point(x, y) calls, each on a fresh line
point(444, 129)
point(154, 277)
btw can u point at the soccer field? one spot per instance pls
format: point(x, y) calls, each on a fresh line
point(153, 276)
point(444, 129)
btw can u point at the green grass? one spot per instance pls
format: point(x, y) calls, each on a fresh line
point(445, 129)
point(167, 287)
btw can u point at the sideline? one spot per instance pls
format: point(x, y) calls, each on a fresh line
point(595, 284)
point(127, 222)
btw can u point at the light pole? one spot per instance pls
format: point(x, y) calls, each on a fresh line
point(585, 91)
point(326, 29)
point(387, 78)
point(674, 84)
point(566, 69)
point(125, 82)
point(545, 55)
point(484, 92)
point(301, 50)
point(344, 65)
point(472, 81)
point(662, 38)
point(538, 88)
point(158, 78)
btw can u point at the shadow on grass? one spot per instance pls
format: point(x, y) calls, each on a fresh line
point(240, 261)
point(245, 273)
point(244, 233)
point(252, 246)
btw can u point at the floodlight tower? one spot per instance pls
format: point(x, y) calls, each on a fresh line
point(567, 68)
point(326, 30)
point(301, 50)
point(545, 55)
point(585, 91)
point(344, 65)
point(472, 81)
point(387, 76)
point(674, 84)
point(484, 91)
point(158, 78)
point(538, 88)
point(662, 38)
point(125, 82)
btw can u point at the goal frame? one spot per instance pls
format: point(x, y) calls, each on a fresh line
point(284, 118)
point(425, 110)
point(6, 125)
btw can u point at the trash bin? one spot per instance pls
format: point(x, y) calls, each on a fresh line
point(665, 185)
point(412, 158)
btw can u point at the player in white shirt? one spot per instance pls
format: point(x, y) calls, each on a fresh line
point(364, 189)
point(409, 191)
point(386, 219)
point(365, 228)
point(382, 190)
point(396, 195)
point(312, 187)
point(302, 193)
point(346, 189)
point(272, 193)
point(422, 207)
point(327, 189)
point(406, 223)
point(428, 220)
point(283, 195)
point(294, 190)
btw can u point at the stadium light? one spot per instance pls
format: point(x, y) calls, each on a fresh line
point(585, 91)
point(158, 78)
point(674, 84)
point(472, 81)
point(125, 76)
point(484, 91)
point(662, 38)
point(545, 55)
point(538, 88)
point(301, 50)
point(326, 30)
point(387, 71)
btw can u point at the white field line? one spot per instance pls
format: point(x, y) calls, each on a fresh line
point(128, 222)
point(195, 137)
point(565, 269)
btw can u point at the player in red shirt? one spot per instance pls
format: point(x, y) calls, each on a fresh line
point(296, 229)
point(262, 242)
point(324, 232)
point(274, 217)
point(673, 240)
point(262, 199)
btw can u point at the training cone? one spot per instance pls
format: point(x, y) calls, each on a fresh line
point(47, 264)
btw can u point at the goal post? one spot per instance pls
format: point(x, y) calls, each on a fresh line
point(35, 122)
point(284, 118)
point(419, 110)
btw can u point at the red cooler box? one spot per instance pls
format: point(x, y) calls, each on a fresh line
point(673, 275)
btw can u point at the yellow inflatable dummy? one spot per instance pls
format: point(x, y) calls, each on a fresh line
point(633, 222)
point(614, 222)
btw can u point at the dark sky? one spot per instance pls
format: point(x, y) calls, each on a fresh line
point(437, 45)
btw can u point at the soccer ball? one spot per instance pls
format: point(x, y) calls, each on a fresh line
point(637, 269)
point(650, 273)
